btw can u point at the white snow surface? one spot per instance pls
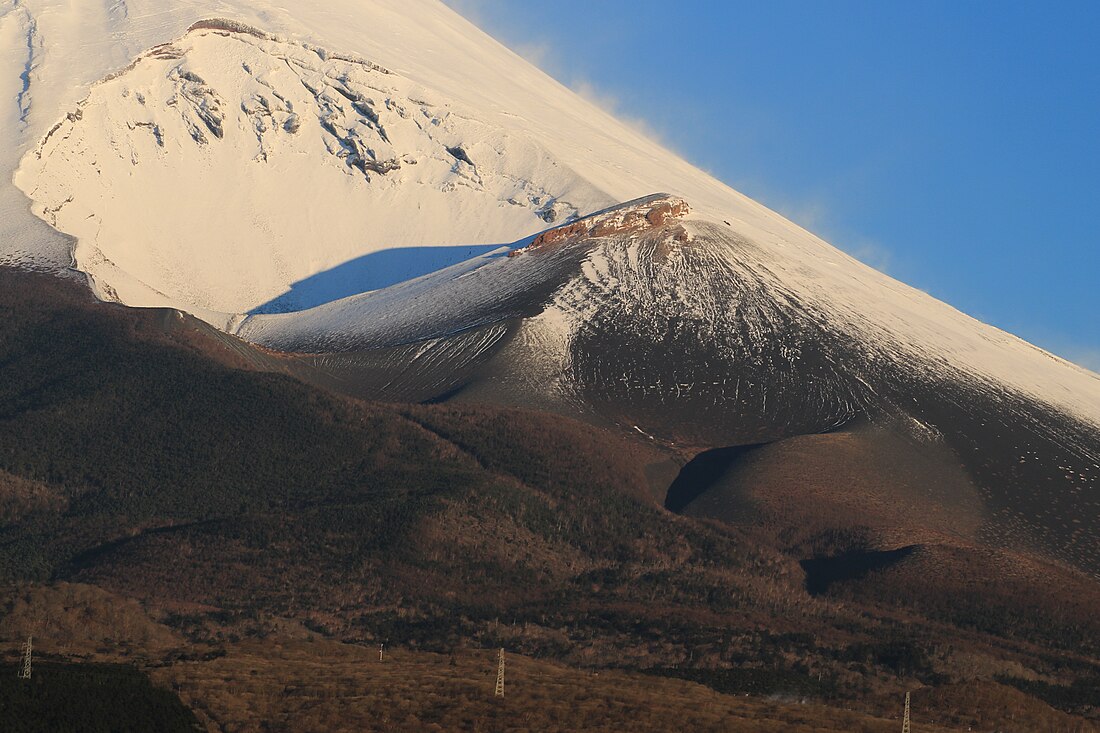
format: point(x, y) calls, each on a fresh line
point(216, 172)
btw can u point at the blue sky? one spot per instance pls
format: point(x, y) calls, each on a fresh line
point(954, 145)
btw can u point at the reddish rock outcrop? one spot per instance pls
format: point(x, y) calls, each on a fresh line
point(651, 212)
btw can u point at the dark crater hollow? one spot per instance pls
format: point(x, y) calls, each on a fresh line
point(702, 473)
point(822, 572)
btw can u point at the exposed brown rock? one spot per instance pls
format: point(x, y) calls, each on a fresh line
point(650, 212)
point(553, 236)
point(660, 213)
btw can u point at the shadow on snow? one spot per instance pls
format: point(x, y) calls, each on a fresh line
point(370, 272)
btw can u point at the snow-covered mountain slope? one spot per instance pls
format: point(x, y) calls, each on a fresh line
point(216, 171)
point(260, 162)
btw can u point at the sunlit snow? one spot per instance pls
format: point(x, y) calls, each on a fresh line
point(227, 172)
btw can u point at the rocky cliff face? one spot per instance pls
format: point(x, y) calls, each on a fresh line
point(637, 217)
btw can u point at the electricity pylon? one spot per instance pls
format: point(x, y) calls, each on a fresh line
point(25, 670)
point(500, 676)
point(905, 727)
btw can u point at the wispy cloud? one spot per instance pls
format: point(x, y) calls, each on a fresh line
point(1087, 357)
point(614, 106)
point(1069, 347)
point(548, 58)
point(816, 216)
point(869, 253)
point(479, 13)
point(810, 214)
point(538, 53)
point(471, 10)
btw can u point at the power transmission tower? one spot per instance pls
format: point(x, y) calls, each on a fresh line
point(905, 728)
point(25, 670)
point(500, 676)
point(381, 647)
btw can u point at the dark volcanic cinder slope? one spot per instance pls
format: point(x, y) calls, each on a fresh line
point(658, 316)
point(645, 319)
